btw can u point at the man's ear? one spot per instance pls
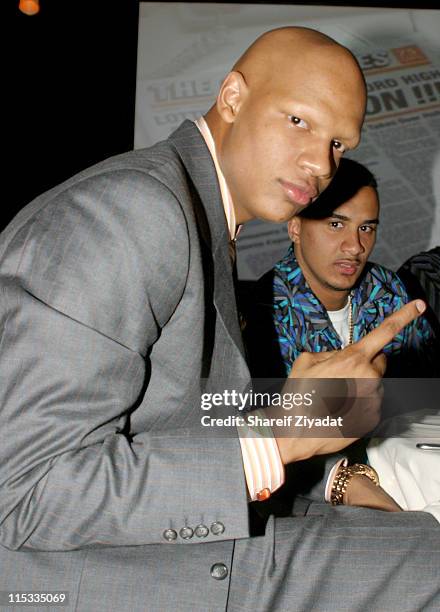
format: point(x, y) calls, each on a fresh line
point(294, 229)
point(233, 92)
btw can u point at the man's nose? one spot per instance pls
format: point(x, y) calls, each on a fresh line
point(352, 243)
point(319, 161)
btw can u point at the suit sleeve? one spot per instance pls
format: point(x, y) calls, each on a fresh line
point(84, 294)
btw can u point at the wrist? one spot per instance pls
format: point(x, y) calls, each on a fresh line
point(295, 449)
point(355, 486)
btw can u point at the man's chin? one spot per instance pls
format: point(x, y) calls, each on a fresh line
point(340, 287)
point(344, 283)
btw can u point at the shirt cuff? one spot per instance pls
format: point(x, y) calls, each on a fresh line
point(262, 463)
point(328, 486)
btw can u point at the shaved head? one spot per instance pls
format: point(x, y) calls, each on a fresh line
point(277, 49)
point(289, 108)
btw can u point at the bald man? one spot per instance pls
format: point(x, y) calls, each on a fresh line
point(119, 334)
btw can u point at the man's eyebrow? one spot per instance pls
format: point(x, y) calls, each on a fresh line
point(375, 221)
point(344, 218)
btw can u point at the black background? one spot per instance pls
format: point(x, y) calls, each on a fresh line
point(70, 91)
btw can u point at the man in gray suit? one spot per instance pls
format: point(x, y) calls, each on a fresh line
point(117, 312)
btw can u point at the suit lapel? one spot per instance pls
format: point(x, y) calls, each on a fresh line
point(196, 158)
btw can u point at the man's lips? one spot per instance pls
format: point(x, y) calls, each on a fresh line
point(347, 266)
point(299, 193)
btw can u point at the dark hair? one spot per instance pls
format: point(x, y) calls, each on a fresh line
point(349, 178)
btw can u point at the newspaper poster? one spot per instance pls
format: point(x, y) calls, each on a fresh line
point(401, 146)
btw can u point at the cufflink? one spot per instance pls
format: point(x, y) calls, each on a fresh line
point(263, 494)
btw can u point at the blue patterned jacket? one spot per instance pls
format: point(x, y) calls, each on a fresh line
point(302, 323)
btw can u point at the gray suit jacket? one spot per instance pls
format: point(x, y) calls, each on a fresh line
point(117, 311)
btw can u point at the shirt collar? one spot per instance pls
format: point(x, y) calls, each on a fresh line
point(225, 193)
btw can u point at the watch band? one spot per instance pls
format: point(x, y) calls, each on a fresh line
point(343, 477)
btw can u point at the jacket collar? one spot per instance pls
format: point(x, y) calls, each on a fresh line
point(194, 153)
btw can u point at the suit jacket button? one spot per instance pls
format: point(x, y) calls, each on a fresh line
point(201, 531)
point(170, 535)
point(217, 528)
point(186, 533)
point(219, 571)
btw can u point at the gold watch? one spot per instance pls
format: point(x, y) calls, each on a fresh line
point(343, 477)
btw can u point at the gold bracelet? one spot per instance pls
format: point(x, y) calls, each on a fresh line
point(343, 477)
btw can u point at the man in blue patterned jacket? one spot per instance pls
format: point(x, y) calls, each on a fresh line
point(325, 294)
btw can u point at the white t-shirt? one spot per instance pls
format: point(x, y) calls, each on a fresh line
point(339, 319)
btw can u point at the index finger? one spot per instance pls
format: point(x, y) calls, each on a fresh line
point(373, 343)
